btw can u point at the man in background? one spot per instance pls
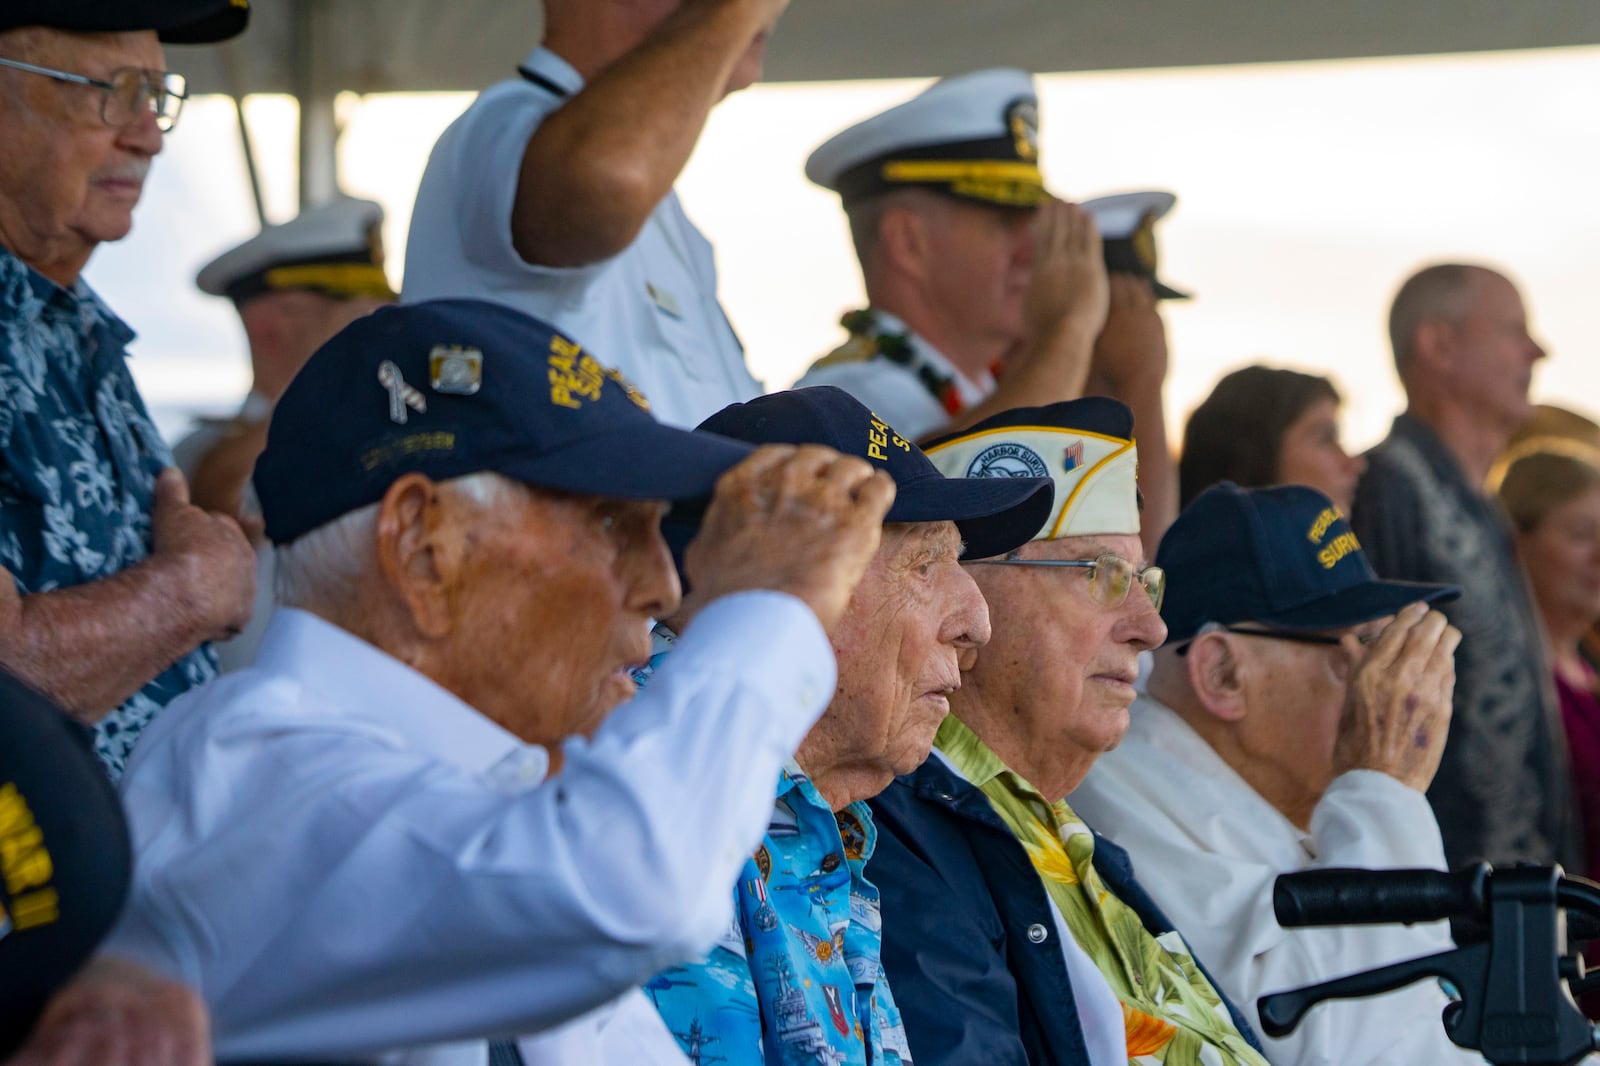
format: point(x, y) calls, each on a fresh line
point(114, 580)
point(294, 285)
point(1465, 357)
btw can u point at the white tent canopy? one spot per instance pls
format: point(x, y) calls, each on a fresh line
point(311, 46)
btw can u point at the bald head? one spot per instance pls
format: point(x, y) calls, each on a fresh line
point(1443, 291)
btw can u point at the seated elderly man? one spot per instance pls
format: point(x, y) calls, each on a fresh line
point(1011, 933)
point(1293, 720)
point(415, 819)
point(797, 976)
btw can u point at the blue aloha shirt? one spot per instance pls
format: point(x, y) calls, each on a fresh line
point(78, 459)
point(797, 978)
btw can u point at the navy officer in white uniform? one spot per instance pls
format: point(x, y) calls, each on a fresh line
point(415, 823)
point(553, 192)
point(985, 292)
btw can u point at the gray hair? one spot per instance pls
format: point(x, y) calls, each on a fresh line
point(328, 564)
point(1439, 292)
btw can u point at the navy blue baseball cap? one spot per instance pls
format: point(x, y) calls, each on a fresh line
point(994, 515)
point(448, 388)
point(1284, 557)
point(174, 21)
point(67, 860)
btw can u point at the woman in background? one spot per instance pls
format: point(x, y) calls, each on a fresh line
point(1264, 426)
point(1551, 491)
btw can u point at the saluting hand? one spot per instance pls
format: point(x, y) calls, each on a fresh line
point(1397, 708)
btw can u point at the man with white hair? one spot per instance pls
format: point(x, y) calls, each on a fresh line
point(416, 822)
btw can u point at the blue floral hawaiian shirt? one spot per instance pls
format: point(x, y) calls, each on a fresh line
point(78, 460)
point(797, 978)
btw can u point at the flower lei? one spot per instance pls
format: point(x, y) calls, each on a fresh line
point(897, 348)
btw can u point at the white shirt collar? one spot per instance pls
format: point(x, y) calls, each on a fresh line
point(369, 685)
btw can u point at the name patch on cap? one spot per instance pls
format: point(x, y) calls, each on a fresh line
point(880, 436)
point(1342, 545)
point(411, 444)
point(1010, 460)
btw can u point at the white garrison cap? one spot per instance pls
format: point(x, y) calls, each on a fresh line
point(335, 249)
point(1127, 229)
point(975, 136)
point(1086, 446)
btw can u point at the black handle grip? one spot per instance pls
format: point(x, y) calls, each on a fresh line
point(1376, 897)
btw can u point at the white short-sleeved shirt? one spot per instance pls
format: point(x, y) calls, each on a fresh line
point(650, 311)
point(893, 391)
point(346, 860)
point(1208, 848)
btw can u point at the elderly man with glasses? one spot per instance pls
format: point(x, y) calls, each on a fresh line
point(1293, 720)
point(114, 580)
point(1011, 932)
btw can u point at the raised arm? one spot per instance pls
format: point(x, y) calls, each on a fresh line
point(598, 166)
point(92, 646)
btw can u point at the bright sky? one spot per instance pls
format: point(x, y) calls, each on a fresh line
point(1306, 192)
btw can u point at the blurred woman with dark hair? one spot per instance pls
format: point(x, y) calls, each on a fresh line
point(1265, 426)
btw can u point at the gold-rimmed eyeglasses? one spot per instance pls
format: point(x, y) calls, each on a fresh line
point(1111, 577)
point(127, 94)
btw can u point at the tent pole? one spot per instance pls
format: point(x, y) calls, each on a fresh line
point(314, 87)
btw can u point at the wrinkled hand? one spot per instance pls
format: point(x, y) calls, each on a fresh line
point(803, 520)
point(1067, 285)
point(208, 555)
point(1132, 348)
point(117, 1013)
point(1397, 707)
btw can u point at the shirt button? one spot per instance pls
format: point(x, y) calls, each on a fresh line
point(830, 863)
point(1038, 933)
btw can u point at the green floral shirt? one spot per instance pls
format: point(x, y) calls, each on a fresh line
point(1172, 1014)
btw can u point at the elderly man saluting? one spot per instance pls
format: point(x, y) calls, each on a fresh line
point(113, 580)
point(1011, 932)
point(416, 819)
point(1294, 719)
point(797, 977)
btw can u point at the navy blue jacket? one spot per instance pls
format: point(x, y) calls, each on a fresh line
point(969, 941)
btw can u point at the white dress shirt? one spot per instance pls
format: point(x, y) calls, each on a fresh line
point(1208, 848)
point(650, 311)
point(344, 858)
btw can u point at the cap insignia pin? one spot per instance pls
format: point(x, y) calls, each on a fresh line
point(455, 369)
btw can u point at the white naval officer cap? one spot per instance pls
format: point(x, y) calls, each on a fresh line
point(1127, 223)
point(973, 136)
point(335, 249)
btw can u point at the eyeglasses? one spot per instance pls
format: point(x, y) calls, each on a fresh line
point(1111, 577)
point(1278, 634)
point(128, 94)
